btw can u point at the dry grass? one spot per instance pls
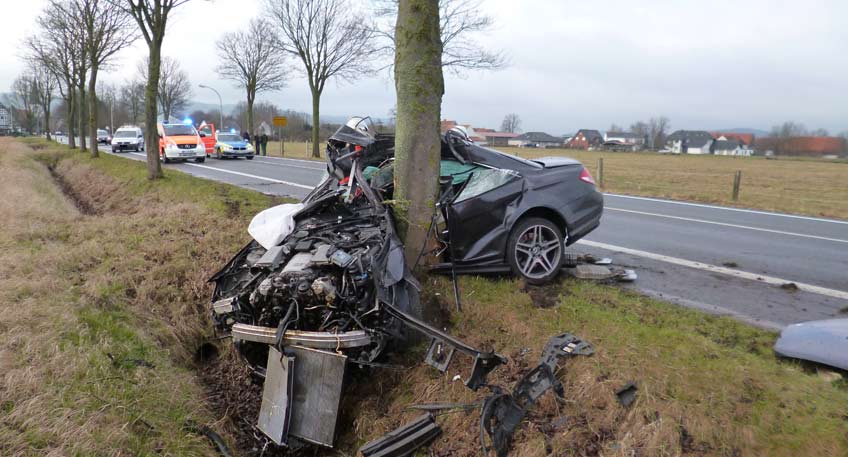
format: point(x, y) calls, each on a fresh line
point(294, 150)
point(707, 385)
point(85, 297)
point(808, 187)
point(129, 280)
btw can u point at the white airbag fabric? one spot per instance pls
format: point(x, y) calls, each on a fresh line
point(272, 225)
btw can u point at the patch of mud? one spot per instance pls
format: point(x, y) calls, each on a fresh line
point(546, 296)
point(82, 206)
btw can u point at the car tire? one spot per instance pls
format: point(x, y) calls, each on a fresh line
point(165, 158)
point(249, 157)
point(535, 250)
point(218, 154)
point(200, 160)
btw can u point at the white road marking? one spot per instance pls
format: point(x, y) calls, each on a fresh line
point(317, 162)
point(277, 181)
point(725, 224)
point(287, 165)
point(725, 208)
point(842, 295)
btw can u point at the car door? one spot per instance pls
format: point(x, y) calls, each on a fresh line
point(207, 136)
point(479, 216)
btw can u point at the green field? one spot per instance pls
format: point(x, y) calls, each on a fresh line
point(813, 187)
point(92, 285)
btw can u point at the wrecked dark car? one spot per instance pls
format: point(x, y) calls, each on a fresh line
point(496, 212)
point(325, 284)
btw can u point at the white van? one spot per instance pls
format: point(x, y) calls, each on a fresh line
point(128, 138)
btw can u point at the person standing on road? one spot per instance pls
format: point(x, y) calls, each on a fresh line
point(257, 145)
point(264, 140)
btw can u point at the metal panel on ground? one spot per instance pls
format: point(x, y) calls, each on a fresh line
point(317, 394)
point(275, 412)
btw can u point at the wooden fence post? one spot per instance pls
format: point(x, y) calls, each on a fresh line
point(601, 172)
point(737, 180)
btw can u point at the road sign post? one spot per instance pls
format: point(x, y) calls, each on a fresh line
point(280, 122)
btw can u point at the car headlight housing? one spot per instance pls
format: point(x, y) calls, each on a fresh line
point(226, 147)
point(249, 147)
point(171, 146)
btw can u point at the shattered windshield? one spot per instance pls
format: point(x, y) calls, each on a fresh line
point(484, 180)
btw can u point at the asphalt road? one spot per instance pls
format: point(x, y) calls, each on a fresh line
point(721, 260)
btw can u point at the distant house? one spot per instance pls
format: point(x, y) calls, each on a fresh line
point(731, 148)
point(690, 142)
point(623, 141)
point(585, 139)
point(812, 146)
point(536, 140)
point(497, 138)
point(746, 139)
point(5, 120)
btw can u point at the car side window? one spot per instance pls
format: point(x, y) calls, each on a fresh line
point(485, 180)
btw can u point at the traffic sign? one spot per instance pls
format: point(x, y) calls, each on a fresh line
point(280, 121)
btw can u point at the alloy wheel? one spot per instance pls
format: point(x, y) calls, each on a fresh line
point(537, 252)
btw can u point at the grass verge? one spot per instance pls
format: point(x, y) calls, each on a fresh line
point(92, 296)
point(104, 309)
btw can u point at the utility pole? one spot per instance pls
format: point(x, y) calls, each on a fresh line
point(220, 104)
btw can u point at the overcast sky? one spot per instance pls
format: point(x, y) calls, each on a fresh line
point(572, 63)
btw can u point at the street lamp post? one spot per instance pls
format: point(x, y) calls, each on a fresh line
point(220, 103)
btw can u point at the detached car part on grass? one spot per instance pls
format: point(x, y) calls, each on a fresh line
point(325, 283)
point(824, 342)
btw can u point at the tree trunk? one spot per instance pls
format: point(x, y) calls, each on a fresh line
point(92, 110)
point(47, 117)
point(420, 86)
point(82, 116)
point(71, 116)
point(316, 103)
point(151, 141)
point(250, 115)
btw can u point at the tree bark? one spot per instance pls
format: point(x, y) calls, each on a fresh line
point(420, 86)
point(92, 110)
point(316, 103)
point(82, 116)
point(71, 116)
point(250, 114)
point(151, 140)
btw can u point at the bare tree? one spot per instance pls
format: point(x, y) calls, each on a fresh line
point(252, 59)
point(52, 47)
point(174, 86)
point(658, 128)
point(107, 28)
point(788, 129)
point(25, 102)
point(132, 99)
point(459, 22)
point(420, 85)
point(152, 17)
point(44, 84)
point(511, 123)
point(330, 39)
point(615, 128)
point(819, 132)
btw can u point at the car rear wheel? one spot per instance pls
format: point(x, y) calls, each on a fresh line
point(534, 250)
